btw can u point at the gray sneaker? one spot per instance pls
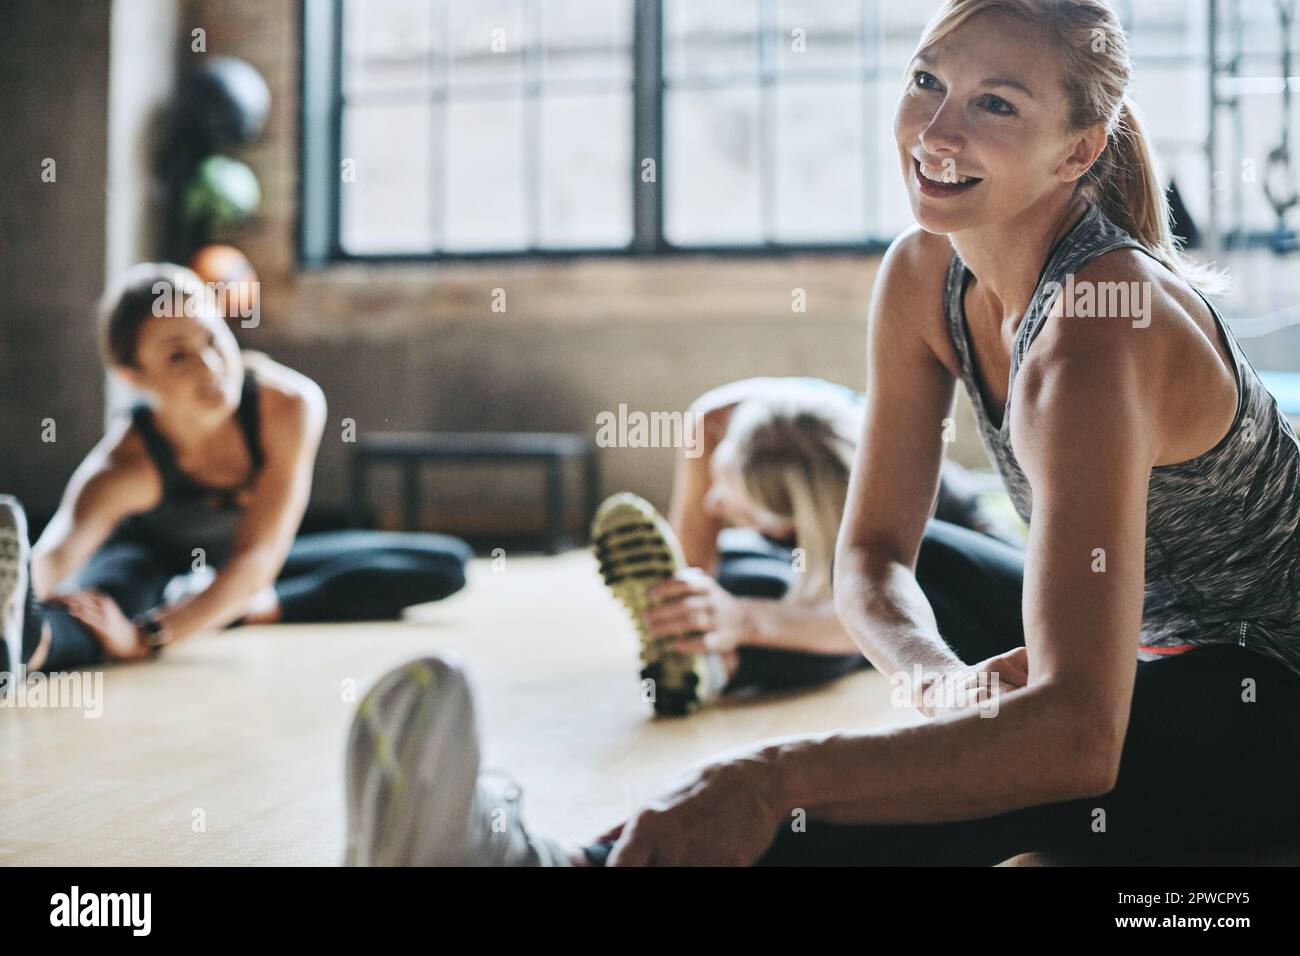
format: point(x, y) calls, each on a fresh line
point(15, 553)
point(415, 796)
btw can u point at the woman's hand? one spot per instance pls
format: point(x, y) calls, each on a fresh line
point(694, 602)
point(975, 685)
point(722, 814)
point(104, 619)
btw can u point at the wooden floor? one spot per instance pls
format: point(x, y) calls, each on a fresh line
point(229, 749)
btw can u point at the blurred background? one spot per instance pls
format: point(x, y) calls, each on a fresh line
point(512, 215)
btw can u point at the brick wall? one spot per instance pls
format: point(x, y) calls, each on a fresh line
point(54, 91)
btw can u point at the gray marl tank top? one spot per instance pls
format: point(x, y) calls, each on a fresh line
point(1222, 553)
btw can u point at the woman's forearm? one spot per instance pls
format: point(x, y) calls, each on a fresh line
point(1035, 748)
point(796, 626)
point(889, 618)
point(696, 530)
point(223, 600)
point(45, 575)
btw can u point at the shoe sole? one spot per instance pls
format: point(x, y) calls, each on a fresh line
point(637, 549)
point(15, 552)
point(412, 768)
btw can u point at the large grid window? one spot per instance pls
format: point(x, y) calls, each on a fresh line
point(478, 125)
point(765, 121)
point(440, 128)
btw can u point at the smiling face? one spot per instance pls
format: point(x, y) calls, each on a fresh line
point(192, 363)
point(987, 103)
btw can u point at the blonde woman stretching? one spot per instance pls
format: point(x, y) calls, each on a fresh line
point(756, 513)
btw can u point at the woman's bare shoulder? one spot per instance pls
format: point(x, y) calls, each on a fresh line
point(119, 466)
point(123, 447)
point(291, 406)
point(909, 289)
point(283, 390)
point(1123, 293)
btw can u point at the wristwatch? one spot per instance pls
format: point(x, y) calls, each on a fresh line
point(151, 630)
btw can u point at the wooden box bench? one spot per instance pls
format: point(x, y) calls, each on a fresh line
point(413, 450)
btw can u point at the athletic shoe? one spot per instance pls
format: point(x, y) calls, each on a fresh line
point(414, 793)
point(15, 586)
point(637, 549)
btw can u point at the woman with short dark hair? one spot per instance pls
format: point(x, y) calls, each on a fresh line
point(184, 517)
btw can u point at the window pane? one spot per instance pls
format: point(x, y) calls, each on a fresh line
point(484, 200)
point(829, 39)
point(711, 166)
point(887, 192)
point(1162, 27)
point(487, 42)
point(387, 45)
point(898, 28)
point(586, 167)
point(589, 41)
point(387, 208)
point(714, 39)
point(819, 166)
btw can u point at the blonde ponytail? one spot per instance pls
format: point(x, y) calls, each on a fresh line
point(1125, 183)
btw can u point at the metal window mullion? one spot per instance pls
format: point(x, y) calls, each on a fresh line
point(336, 134)
point(321, 89)
point(647, 125)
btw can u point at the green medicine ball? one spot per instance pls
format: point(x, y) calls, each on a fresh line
point(223, 191)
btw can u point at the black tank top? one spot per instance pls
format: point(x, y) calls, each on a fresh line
point(192, 515)
point(1223, 528)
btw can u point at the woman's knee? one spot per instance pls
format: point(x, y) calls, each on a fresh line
point(449, 578)
point(744, 579)
point(417, 577)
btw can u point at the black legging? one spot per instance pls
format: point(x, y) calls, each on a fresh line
point(1205, 768)
point(955, 568)
point(327, 576)
point(752, 566)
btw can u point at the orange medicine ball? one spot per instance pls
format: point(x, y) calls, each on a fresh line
point(232, 278)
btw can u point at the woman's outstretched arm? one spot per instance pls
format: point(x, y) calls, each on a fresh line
point(271, 519)
point(696, 530)
point(1085, 431)
point(116, 479)
point(695, 602)
point(895, 478)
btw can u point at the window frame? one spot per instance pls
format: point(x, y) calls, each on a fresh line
point(320, 137)
point(320, 143)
